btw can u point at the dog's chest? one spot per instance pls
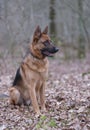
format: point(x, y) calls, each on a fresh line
point(43, 75)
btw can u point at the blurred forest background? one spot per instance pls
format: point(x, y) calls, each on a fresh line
point(68, 85)
point(68, 21)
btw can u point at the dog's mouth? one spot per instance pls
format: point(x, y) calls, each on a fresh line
point(46, 53)
point(49, 52)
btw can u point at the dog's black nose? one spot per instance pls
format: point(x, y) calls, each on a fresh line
point(56, 49)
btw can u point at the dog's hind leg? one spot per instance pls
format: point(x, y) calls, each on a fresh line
point(15, 97)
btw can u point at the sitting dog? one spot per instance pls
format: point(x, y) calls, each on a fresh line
point(31, 76)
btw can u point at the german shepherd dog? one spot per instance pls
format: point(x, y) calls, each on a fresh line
point(30, 80)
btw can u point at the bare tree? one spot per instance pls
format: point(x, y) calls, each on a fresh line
point(81, 40)
point(52, 18)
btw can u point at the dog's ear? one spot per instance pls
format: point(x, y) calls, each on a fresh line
point(45, 30)
point(37, 33)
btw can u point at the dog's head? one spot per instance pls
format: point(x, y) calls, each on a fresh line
point(42, 45)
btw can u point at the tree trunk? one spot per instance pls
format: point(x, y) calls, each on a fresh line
point(52, 18)
point(81, 40)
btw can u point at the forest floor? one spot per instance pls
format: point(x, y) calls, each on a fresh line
point(67, 98)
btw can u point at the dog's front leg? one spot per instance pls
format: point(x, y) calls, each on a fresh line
point(42, 97)
point(33, 97)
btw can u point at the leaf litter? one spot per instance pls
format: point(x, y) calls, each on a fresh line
point(67, 100)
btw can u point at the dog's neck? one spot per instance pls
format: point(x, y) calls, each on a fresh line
point(33, 55)
point(37, 56)
point(36, 64)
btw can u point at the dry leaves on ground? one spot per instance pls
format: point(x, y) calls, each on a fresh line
point(67, 101)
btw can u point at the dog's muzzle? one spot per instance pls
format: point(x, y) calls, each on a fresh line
point(49, 51)
point(55, 49)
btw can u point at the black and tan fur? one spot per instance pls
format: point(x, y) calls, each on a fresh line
point(30, 79)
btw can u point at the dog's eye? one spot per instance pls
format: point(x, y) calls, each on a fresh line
point(46, 43)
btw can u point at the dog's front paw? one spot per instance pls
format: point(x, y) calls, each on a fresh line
point(43, 109)
point(38, 114)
